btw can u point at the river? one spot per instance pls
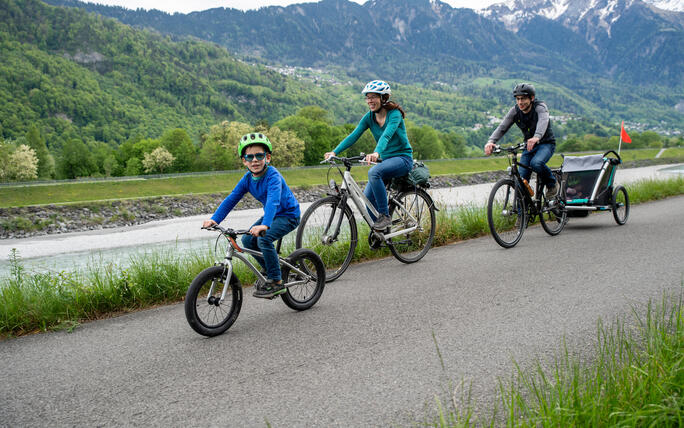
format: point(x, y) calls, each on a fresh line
point(74, 251)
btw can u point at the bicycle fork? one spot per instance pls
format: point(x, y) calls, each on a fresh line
point(327, 238)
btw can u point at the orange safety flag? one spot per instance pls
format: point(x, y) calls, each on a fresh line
point(623, 134)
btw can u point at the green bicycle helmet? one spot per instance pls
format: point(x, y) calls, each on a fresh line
point(253, 138)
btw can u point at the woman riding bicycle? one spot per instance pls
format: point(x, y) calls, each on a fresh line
point(385, 119)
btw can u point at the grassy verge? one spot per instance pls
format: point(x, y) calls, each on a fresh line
point(633, 377)
point(19, 196)
point(38, 302)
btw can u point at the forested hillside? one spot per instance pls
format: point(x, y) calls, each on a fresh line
point(427, 41)
point(85, 95)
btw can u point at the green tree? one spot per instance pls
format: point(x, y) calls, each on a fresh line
point(312, 125)
point(134, 166)
point(111, 167)
point(179, 144)
point(455, 144)
point(425, 142)
point(288, 149)
point(35, 140)
point(219, 149)
point(76, 160)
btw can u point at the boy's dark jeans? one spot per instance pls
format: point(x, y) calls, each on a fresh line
point(280, 227)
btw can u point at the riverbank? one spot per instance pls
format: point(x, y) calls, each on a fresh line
point(24, 222)
point(29, 221)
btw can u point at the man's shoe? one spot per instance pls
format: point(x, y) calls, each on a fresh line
point(270, 289)
point(551, 192)
point(382, 222)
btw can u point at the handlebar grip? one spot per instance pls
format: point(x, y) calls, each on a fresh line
point(262, 233)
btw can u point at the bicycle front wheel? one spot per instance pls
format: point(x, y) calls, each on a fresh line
point(412, 210)
point(330, 231)
point(206, 312)
point(303, 288)
point(506, 213)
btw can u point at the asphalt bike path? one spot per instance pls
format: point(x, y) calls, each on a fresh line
point(365, 354)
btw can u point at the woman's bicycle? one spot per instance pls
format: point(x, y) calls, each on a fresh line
point(511, 207)
point(329, 226)
point(214, 299)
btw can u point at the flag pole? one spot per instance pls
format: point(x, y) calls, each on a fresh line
point(620, 144)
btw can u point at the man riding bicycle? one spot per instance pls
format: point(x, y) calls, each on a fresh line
point(532, 117)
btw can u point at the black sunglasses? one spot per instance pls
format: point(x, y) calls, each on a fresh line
point(250, 157)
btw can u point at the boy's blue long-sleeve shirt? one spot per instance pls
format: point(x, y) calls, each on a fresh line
point(270, 189)
point(391, 138)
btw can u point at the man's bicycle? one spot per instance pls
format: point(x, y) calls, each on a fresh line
point(214, 299)
point(329, 226)
point(511, 207)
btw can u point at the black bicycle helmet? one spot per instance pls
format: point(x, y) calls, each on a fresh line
point(523, 89)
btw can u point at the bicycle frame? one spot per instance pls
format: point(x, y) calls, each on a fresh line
point(532, 202)
point(351, 188)
point(235, 251)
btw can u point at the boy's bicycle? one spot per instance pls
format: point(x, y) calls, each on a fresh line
point(511, 207)
point(214, 299)
point(329, 226)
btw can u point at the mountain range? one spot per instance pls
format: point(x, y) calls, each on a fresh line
point(626, 41)
point(610, 53)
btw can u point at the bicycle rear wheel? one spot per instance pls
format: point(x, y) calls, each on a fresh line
point(553, 216)
point(304, 295)
point(506, 213)
point(412, 246)
point(317, 231)
point(206, 313)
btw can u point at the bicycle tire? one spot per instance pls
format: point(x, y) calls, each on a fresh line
point(336, 254)
point(553, 219)
point(620, 205)
point(506, 213)
point(304, 296)
point(204, 313)
point(411, 247)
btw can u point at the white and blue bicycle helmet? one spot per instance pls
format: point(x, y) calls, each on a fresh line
point(377, 87)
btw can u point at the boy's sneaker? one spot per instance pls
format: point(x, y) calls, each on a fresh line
point(551, 192)
point(269, 289)
point(382, 222)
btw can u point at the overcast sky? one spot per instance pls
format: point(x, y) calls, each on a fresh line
point(185, 6)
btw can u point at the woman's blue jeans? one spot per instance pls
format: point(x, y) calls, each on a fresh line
point(280, 227)
point(536, 159)
point(379, 174)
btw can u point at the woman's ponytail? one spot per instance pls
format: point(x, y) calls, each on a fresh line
point(391, 105)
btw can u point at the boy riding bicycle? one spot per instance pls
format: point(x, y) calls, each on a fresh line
point(281, 209)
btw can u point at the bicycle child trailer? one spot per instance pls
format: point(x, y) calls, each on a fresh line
point(588, 186)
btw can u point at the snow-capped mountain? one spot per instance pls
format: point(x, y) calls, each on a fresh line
point(571, 13)
point(673, 5)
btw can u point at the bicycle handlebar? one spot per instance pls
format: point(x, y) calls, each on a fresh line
point(511, 149)
point(231, 232)
point(348, 160)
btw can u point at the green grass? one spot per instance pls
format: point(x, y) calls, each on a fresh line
point(636, 378)
point(633, 377)
point(42, 301)
point(71, 192)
